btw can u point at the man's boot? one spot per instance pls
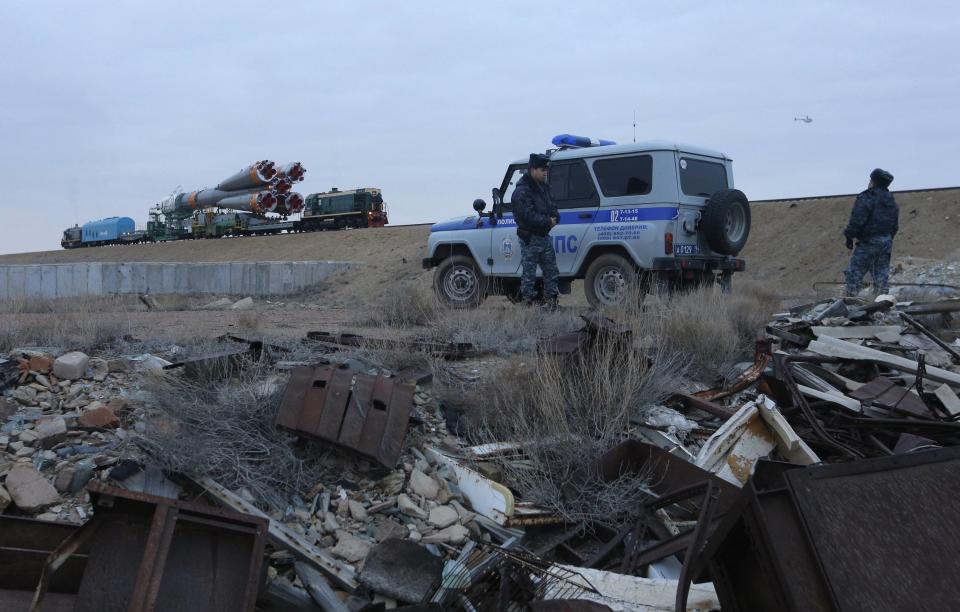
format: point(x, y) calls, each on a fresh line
point(552, 304)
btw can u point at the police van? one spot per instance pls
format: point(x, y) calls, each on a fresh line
point(632, 216)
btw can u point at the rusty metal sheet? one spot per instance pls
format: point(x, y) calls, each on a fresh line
point(873, 534)
point(884, 393)
point(668, 473)
point(154, 553)
point(24, 546)
point(596, 327)
point(365, 413)
point(445, 350)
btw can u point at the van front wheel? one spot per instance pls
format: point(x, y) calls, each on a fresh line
point(459, 283)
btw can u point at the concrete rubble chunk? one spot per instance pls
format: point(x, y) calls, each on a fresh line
point(220, 304)
point(25, 395)
point(455, 534)
point(402, 570)
point(28, 437)
point(357, 511)
point(350, 548)
point(51, 430)
point(244, 304)
point(423, 485)
point(409, 507)
point(385, 528)
point(4, 499)
point(100, 416)
point(118, 365)
point(99, 368)
point(443, 516)
point(29, 490)
point(71, 366)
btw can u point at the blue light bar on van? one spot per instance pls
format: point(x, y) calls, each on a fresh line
point(571, 141)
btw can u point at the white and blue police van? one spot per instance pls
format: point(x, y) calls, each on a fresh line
point(632, 216)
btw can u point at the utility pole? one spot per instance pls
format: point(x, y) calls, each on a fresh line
point(634, 126)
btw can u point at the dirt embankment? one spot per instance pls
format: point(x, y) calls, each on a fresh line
point(793, 244)
point(796, 243)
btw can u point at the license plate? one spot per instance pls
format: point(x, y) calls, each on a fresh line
point(685, 249)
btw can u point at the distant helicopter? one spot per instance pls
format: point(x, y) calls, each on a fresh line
point(805, 119)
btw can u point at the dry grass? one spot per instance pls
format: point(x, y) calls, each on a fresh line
point(78, 323)
point(403, 305)
point(224, 430)
point(567, 413)
point(501, 330)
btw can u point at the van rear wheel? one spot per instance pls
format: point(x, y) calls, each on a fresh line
point(610, 279)
point(459, 283)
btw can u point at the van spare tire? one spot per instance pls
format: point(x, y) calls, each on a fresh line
point(725, 221)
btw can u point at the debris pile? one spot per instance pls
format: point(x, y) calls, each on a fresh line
point(786, 488)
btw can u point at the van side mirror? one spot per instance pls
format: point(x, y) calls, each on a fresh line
point(479, 205)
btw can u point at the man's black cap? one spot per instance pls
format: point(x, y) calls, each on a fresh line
point(538, 160)
point(881, 176)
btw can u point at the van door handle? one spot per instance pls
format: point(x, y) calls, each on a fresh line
point(585, 216)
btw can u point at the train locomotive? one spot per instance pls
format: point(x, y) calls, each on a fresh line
point(257, 200)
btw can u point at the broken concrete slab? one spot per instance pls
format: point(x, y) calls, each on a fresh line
point(29, 490)
point(443, 516)
point(832, 347)
point(454, 534)
point(5, 499)
point(221, 304)
point(350, 548)
point(410, 507)
point(243, 304)
point(403, 570)
point(857, 331)
point(71, 366)
point(423, 485)
point(386, 528)
point(626, 593)
point(949, 399)
point(51, 430)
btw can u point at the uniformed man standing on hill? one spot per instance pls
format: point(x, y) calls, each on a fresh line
point(874, 222)
point(536, 215)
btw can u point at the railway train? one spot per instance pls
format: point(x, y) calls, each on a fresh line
point(332, 210)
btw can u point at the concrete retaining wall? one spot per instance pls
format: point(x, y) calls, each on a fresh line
point(48, 281)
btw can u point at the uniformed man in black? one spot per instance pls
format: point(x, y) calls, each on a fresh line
point(536, 215)
point(874, 222)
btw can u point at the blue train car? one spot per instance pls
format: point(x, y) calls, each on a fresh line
point(106, 231)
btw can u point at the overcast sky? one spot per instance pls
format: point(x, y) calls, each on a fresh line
point(106, 107)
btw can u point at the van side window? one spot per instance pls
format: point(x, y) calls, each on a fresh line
point(571, 185)
point(701, 178)
point(624, 176)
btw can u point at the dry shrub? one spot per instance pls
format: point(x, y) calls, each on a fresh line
point(499, 330)
point(566, 414)
point(714, 329)
point(405, 305)
point(224, 430)
point(78, 324)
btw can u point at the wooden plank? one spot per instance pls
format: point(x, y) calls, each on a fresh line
point(789, 444)
point(319, 589)
point(833, 347)
point(949, 399)
point(836, 398)
point(342, 574)
point(856, 331)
